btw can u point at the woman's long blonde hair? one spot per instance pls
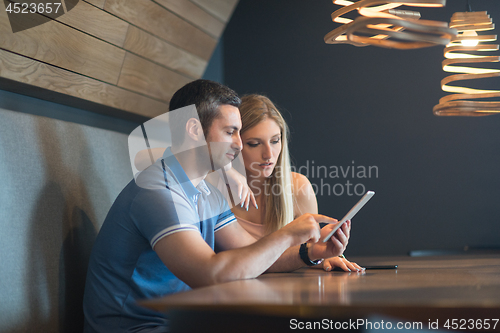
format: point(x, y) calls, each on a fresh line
point(279, 207)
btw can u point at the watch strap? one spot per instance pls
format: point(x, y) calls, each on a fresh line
point(304, 255)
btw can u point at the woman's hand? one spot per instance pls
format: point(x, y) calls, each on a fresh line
point(242, 194)
point(335, 246)
point(341, 262)
point(338, 242)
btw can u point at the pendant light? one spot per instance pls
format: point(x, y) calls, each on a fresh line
point(466, 56)
point(381, 24)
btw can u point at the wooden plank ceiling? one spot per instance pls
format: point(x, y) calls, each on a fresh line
point(123, 55)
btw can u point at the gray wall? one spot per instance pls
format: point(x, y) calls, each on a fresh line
point(61, 170)
point(438, 183)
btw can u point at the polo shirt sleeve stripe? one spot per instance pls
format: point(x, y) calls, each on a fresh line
point(172, 230)
point(224, 222)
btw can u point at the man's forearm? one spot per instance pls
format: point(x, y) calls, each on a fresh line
point(288, 261)
point(253, 260)
point(198, 266)
point(276, 252)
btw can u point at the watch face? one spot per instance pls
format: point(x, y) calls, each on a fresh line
point(317, 262)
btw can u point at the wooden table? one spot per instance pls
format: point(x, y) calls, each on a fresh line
point(428, 290)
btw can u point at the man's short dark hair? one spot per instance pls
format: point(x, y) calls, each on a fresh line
point(207, 96)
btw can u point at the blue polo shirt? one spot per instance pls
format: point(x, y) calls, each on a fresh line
point(124, 267)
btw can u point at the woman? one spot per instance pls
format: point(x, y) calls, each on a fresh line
point(280, 194)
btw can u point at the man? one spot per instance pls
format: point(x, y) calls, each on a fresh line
point(160, 234)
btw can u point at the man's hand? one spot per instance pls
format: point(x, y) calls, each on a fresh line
point(335, 246)
point(306, 228)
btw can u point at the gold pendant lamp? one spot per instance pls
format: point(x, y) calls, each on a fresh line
point(465, 56)
point(381, 24)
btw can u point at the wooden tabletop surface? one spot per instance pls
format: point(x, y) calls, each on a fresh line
point(420, 288)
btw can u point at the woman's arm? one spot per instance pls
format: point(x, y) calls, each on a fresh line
point(238, 184)
point(231, 179)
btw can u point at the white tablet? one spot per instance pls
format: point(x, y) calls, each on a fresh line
point(368, 195)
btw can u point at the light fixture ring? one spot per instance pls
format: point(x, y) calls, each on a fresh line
point(429, 33)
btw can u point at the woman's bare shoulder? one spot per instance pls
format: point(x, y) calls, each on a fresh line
point(304, 196)
point(301, 185)
point(299, 180)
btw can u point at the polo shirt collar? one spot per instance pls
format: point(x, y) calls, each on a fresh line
point(202, 186)
point(182, 178)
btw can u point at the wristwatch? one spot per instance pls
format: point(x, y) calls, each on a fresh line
point(304, 255)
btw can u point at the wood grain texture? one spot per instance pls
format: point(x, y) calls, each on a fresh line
point(96, 22)
point(163, 24)
point(195, 15)
point(150, 79)
point(421, 289)
point(97, 3)
point(59, 45)
point(38, 74)
point(144, 44)
point(222, 9)
point(129, 55)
